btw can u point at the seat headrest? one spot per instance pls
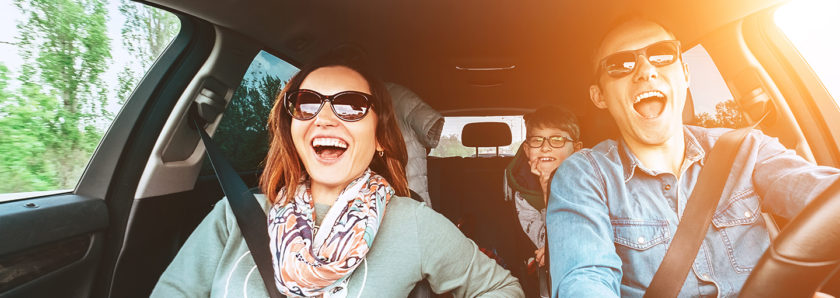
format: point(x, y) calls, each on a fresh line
point(486, 134)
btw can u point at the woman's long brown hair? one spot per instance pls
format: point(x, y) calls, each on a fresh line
point(283, 166)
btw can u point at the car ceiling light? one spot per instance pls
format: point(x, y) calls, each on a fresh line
point(485, 68)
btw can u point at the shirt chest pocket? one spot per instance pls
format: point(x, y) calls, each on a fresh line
point(741, 230)
point(640, 234)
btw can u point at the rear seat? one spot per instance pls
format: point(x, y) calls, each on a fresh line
point(470, 191)
point(457, 183)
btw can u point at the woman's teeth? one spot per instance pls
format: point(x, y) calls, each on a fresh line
point(329, 148)
point(547, 158)
point(331, 142)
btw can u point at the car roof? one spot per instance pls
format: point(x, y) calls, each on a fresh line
point(422, 43)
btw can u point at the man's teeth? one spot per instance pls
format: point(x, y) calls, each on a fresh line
point(546, 158)
point(331, 142)
point(648, 94)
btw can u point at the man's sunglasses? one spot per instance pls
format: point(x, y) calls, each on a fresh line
point(553, 141)
point(658, 54)
point(349, 106)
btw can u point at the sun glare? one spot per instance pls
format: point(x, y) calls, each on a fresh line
point(811, 25)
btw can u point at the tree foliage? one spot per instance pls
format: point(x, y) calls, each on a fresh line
point(146, 33)
point(450, 145)
point(243, 134)
point(66, 48)
point(47, 129)
point(54, 115)
point(727, 114)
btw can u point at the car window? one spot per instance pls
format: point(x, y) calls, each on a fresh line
point(242, 135)
point(805, 24)
point(450, 137)
point(714, 105)
point(63, 79)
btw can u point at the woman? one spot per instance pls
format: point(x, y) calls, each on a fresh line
point(340, 221)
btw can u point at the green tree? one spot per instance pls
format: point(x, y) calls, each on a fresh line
point(450, 145)
point(24, 134)
point(727, 114)
point(146, 32)
point(49, 127)
point(243, 133)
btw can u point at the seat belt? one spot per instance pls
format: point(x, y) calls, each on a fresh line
point(694, 224)
point(250, 216)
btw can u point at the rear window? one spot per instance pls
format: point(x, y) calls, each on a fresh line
point(450, 137)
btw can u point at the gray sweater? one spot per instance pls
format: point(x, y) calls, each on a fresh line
point(414, 242)
point(421, 126)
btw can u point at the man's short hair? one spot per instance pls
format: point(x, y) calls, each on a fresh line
point(553, 117)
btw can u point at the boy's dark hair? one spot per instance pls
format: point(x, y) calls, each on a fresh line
point(553, 117)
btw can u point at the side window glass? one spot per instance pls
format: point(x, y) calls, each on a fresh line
point(714, 105)
point(801, 22)
point(63, 78)
point(450, 138)
point(242, 135)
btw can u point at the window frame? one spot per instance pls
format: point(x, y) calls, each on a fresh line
point(815, 111)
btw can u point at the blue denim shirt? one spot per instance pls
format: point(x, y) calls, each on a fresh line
point(610, 219)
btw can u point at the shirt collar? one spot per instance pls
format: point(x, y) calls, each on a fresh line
point(693, 153)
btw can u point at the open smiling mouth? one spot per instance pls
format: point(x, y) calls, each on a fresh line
point(649, 104)
point(329, 148)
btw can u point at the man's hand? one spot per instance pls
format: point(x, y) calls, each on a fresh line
point(543, 171)
point(540, 256)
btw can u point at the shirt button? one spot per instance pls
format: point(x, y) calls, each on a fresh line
point(667, 187)
point(705, 276)
point(641, 240)
point(747, 214)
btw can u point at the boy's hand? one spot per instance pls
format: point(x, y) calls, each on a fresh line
point(540, 256)
point(543, 171)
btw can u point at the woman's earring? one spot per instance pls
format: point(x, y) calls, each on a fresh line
point(381, 153)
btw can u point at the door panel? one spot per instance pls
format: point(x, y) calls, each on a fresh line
point(50, 246)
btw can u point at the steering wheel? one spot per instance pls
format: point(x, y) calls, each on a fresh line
point(804, 254)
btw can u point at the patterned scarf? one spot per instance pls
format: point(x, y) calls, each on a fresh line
point(310, 265)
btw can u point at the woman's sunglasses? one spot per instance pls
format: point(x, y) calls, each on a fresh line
point(658, 54)
point(349, 106)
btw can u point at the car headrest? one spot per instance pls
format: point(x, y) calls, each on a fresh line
point(486, 134)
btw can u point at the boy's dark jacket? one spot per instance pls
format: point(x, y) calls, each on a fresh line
point(518, 177)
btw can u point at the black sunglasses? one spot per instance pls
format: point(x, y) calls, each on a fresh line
point(658, 54)
point(349, 106)
point(553, 141)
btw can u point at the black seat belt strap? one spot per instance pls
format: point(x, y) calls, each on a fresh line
point(694, 224)
point(250, 216)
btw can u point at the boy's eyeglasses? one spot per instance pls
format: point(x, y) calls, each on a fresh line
point(349, 106)
point(553, 141)
point(658, 54)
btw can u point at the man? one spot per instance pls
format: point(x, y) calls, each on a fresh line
point(552, 135)
point(610, 225)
